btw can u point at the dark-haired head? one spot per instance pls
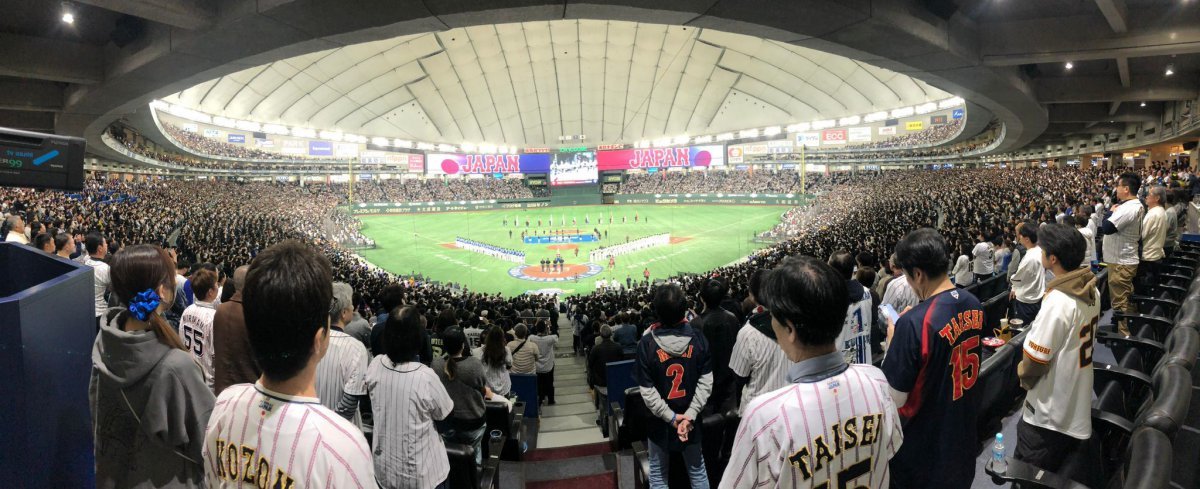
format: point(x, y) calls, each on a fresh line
point(712, 292)
point(843, 263)
point(756, 279)
point(1130, 182)
point(454, 342)
point(1063, 244)
point(1029, 230)
point(44, 242)
point(924, 250)
point(807, 299)
point(670, 304)
point(95, 244)
point(139, 268)
point(402, 334)
point(286, 301)
point(203, 284)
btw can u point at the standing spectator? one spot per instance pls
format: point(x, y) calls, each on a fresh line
point(899, 293)
point(474, 334)
point(340, 373)
point(97, 248)
point(1173, 221)
point(626, 334)
point(802, 294)
point(855, 340)
point(463, 377)
point(148, 400)
point(196, 324)
point(1087, 229)
point(931, 364)
point(962, 274)
point(525, 353)
point(44, 242)
point(984, 255)
point(604, 353)
point(1154, 235)
point(1029, 281)
point(357, 327)
point(545, 364)
point(1122, 229)
point(496, 361)
point(392, 297)
point(289, 288)
point(720, 328)
point(674, 373)
point(407, 398)
point(1057, 366)
point(757, 360)
point(233, 358)
point(64, 246)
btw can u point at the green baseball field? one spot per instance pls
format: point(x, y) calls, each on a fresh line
point(702, 237)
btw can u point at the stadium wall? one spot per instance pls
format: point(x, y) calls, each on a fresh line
point(725, 199)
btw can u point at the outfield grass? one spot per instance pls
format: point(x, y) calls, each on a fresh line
point(409, 243)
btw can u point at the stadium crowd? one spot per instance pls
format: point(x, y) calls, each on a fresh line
point(930, 136)
point(219, 149)
point(864, 221)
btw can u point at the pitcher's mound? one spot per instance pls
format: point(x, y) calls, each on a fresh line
point(568, 272)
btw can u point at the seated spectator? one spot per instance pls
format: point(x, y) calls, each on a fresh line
point(139, 361)
point(407, 398)
point(605, 352)
point(463, 377)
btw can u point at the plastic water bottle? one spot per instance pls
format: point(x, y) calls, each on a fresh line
point(999, 463)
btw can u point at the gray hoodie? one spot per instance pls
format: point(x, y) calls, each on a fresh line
point(675, 342)
point(166, 392)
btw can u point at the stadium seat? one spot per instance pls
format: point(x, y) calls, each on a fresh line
point(1145, 464)
point(499, 417)
point(620, 378)
point(998, 386)
point(464, 473)
point(525, 386)
point(628, 424)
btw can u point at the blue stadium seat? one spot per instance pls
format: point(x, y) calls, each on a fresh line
point(620, 377)
point(525, 386)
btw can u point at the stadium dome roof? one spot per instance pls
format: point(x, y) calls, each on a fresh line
point(531, 83)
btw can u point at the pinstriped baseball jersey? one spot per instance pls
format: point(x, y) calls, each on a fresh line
point(758, 357)
point(1121, 248)
point(839, 431)
point(855, 339)
point(196, 331)
point(260, 438)
point(342, 370)
point(406, 399)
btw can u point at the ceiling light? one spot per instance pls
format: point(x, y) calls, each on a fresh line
point(680, 140)
point(748, 133)
point(725, 136)
point(68, 14)
point(704, 139)
point(400, 143)
point(379, 141)
point(1170, 70)
point(1143, 104)
point(468, 147)
point(772, 131)
point(1069, 65)
point(849, 121)
point(800, 127)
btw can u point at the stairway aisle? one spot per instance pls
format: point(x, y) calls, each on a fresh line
point(572, 420)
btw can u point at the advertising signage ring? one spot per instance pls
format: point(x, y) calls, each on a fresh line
point(455, 164)
point(636, 159)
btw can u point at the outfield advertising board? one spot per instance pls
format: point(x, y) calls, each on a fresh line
point(450, 206)
point(727, 199)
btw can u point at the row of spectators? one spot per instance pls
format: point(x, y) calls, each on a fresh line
point(930, 136)
point(221, 149)
point(770, 181)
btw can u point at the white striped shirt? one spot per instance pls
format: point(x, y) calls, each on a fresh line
point(758, 357)
point(406, 399)
point(840, 431)
point(1121, 248)
point(196, 328)
point(342, 371)
point(260, 438)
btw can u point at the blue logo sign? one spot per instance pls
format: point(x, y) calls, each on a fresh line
point(237, 138)
point(957, 114)
point(320, 148)
point(46, 157)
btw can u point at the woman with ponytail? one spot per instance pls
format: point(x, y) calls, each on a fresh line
point(464, 378)
point(149, 403)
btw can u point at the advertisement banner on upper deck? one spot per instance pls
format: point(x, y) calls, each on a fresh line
point(293, 147)
point(637, 159)
point(833, 136)
point(808, 139)
point(860, 134)
point(460, 164)
point(320, 148)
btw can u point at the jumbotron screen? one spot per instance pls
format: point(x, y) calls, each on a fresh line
point(577, 168)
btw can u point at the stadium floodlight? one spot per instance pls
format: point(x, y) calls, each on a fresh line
point(378, 141)
point(304, 132)
point(825, 124)
point(486, 149)
point(354, 138)
point(875, 116)
point(849, 121)
point(224, 121)
point(772, 131)
point(902, 112)
point(449, 148)
point(725, 136)
point(467, 147)
point(680, 140)
point(159, 105)
point(951, 102)
point(703, 139)
point(332, 135)
point(926, 108)
point(275, 129)
point(426, 146)
point(661, 142)
point(748, 133)
point(400, 143)
point(1170, 70)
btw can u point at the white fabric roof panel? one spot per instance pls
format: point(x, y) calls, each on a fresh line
point(529, 83)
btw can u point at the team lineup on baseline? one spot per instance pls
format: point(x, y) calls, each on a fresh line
point(558, 255)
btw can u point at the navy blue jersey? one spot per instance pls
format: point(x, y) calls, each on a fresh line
point(672, 360)
point(935, 357)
